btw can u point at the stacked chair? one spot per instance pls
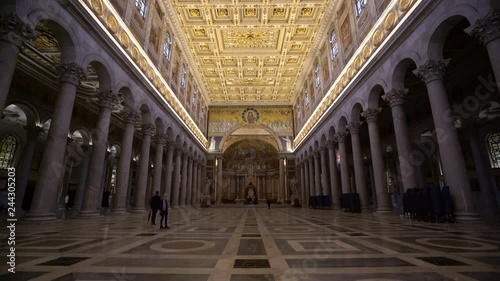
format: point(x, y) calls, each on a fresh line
point(430, 204)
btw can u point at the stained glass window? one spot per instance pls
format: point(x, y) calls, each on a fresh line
point(183, 76)
point(7, 151)
point(493, 142)
point(140, 5)
point(167, 47)
point(316, 72)
point(359, 5)
point(334, 45)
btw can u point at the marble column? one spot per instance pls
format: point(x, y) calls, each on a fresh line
point(13, 34)
point(142, 182)
point(189, 187)
point(344, 168)
point(281, 192)
point(311, 176)
point(176, 178)
point(218, 186)
point(90, 204)
point(183, 190)
point(122, 175)
point(317, 173)
point(359, 170)
point(169, 167)
point(325, 183)
point(52, 164)
point(383, 200)
point(487, 193)
point(23, 171)
point(196, 183)
point(450, 150)
point(302, 183)
point(161, 139)
point(334, 177)
point(82, 181)
point(487, 30)
point(408, 171)
point(306, 181)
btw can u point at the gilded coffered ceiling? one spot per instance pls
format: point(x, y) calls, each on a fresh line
point(249, 51)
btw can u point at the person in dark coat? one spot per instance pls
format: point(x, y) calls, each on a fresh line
point(164, 212)
point(155, 205)
point(269, 203)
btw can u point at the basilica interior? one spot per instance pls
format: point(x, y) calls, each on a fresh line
point(292, 139)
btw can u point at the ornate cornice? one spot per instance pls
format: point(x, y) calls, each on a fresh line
point(432, 70)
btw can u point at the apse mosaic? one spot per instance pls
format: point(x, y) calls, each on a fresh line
point(223, 119)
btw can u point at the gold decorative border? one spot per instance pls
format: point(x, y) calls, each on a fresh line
point(394, 13)
point(104, 13)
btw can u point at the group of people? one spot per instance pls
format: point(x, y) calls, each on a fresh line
point(159, 203)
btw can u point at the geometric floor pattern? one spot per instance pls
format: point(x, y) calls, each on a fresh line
point(254, 243)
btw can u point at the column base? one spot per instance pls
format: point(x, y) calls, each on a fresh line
point(118, 212)
point(40, 217)
point(89, 213)
point(467, 216)
point(384, 210)
point(138, 210)
point(174, 206)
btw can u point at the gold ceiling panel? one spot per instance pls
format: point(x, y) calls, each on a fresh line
point(249, 50)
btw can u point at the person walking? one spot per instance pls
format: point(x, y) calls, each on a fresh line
point(164, 212)
point(269, 204)
point(155, 204)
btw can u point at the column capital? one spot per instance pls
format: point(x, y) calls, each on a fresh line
point(432, 70)
point(161, 139)
point(323, 150)
point(107, 99)
point(395, 97)
point(170, 145)
point(71, 73)
point(330, 144)
point(371, 114)
point(131, 116)
point(15, 31)
point(179, 151)
point(487, 29)
point(340, 137)
point(354, 127)
point(148, 129)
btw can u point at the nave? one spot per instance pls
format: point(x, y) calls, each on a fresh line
point(255, 244)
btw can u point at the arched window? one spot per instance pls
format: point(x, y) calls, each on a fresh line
point(299, 114)
point(359, 5)
point(493, 143)
point(306, 92)
point(183, 76)
point(167, 47)
point(193, 102)
point(140, 5)
point(318, 77)
point(8, 147)
point(202, 113)
point(334, 45)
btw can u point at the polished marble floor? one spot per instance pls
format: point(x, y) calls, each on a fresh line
point(254, 243)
